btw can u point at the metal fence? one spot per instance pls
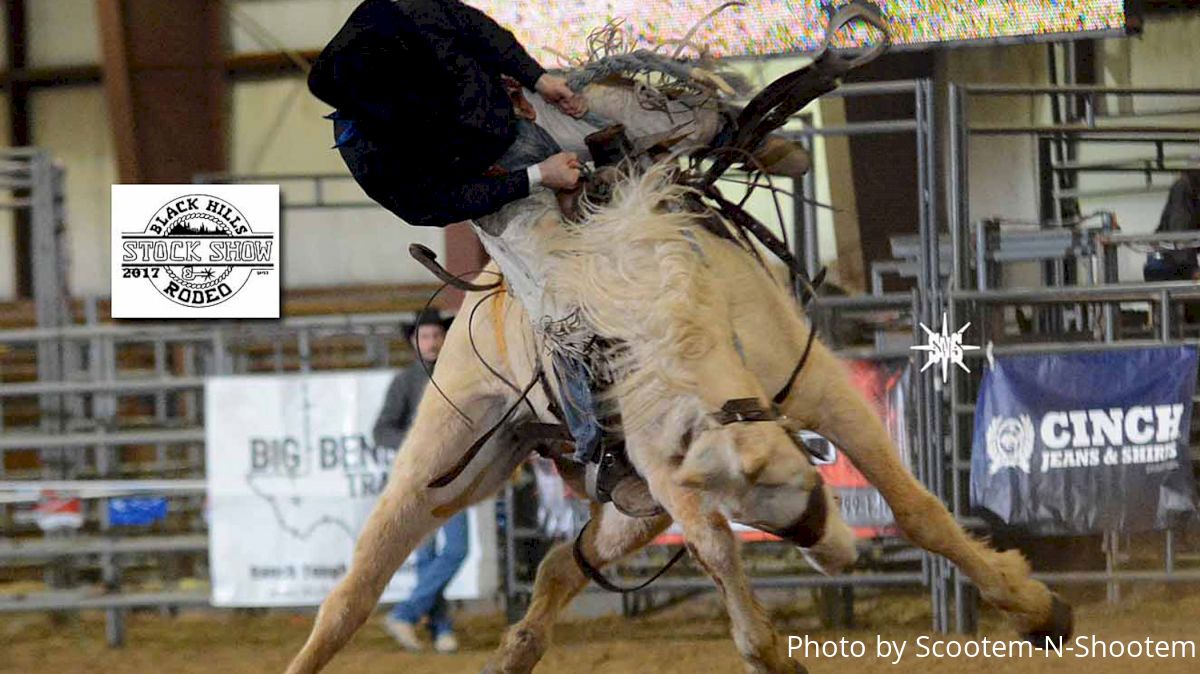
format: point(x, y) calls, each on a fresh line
point(129, 421)
point(1071, 311)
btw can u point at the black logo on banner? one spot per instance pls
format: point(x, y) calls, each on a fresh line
point(197, 251)
point(293, 476)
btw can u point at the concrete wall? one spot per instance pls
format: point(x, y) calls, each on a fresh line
point(289, 24)
point(1002, 170)
point(72, 123)
point(63, 32)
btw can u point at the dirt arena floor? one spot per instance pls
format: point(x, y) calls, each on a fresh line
point(690, 637)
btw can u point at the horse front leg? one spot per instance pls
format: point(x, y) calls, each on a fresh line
point(712, 543)
point(825, 399)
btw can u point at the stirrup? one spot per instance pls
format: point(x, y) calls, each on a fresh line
point(613, 478)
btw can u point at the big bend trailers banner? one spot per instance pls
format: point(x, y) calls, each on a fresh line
point(1083, 443)
point(292, 476)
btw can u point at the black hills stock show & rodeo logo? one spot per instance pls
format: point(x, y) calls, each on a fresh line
point(196, 251)
point(199, 251)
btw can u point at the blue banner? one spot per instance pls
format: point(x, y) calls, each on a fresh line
point(132, 512)
point(1084, 443)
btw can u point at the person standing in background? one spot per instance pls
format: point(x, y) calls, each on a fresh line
point(435, 566)
point(1181, 213)
point(1182, 210)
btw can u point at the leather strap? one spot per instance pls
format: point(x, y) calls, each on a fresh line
point(743, 409)
point(536, 430)
point(747, 222)
point(595, 576)
point(457, 469)
point(428, 259)
point(787, 388)
point(552, 404)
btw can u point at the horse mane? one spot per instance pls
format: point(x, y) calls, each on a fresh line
point(639, 270)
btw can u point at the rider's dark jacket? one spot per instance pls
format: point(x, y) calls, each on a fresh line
point(420, 82)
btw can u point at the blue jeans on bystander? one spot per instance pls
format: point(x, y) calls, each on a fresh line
point(435, 568)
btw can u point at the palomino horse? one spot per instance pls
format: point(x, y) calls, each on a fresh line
point(712, 326)
point(698, 325)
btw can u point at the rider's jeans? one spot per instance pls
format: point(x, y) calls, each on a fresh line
point(579, 404)
point(533, 144)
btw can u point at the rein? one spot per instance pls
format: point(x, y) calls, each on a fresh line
point(600, 579)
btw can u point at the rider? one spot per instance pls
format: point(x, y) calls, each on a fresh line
point(423, 119)
point(430, 124)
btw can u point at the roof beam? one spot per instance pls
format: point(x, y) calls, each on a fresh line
point(20, 134)
point(263, 65)
point(164, 80)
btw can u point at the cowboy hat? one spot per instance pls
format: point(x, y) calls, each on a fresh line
point(426, 317)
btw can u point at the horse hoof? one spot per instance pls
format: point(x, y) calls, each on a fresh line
point(519, 653)
point(1059, 627)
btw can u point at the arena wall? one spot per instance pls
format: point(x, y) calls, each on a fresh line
point(293, 24)
point(1149, 61)
point(73, 122)
point(62, 33)
point(1003, 170)
point(3, 50)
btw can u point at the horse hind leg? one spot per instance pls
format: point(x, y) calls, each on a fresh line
point(825, 398)
point(611, 536)
point(406, 513)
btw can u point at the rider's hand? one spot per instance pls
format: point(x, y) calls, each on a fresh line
point(560, 171)
point(556, 92)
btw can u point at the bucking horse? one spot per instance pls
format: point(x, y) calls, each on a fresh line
point(711, 370)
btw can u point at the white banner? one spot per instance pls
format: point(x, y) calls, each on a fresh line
point(292, 476)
